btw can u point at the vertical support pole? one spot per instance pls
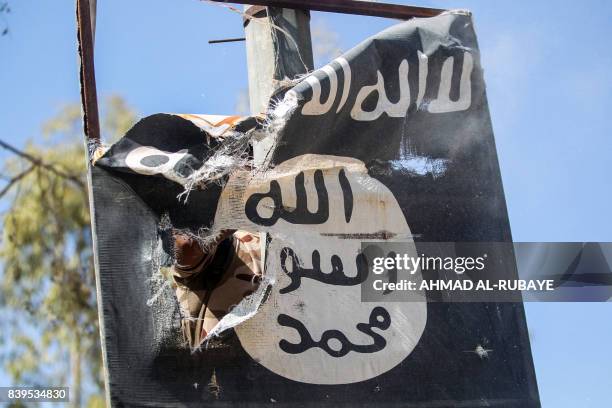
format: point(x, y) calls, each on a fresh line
point(89, 98)
point(272, 56)
point(86, 27)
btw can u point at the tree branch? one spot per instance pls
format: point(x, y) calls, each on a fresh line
point(47, 166)
point(14, 180)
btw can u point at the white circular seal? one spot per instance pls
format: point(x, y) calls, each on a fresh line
point(313, 327)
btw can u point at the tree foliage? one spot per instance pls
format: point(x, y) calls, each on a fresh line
point(49, 284)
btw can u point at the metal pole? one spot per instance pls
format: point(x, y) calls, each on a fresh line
point(86, 23)
point(273, 56)
point(89, 98)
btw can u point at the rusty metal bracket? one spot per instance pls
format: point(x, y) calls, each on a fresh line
point(89, 98)
point(364, 8)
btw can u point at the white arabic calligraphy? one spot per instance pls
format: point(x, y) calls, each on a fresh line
point(314, 106)
point(398, 109)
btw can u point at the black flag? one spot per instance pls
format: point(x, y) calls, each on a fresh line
point(392, 141)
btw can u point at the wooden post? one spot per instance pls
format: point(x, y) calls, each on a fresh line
point(272, 56)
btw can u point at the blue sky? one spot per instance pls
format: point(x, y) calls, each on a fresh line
point(549, 87)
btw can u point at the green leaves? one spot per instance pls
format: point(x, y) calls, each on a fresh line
point(48, 276)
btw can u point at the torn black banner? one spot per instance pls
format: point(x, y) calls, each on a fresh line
point(391, 141)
